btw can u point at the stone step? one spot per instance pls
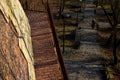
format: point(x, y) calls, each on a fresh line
point(89, 35)
point(89, 9)
point(79, 70)
point(89, 43)
point(90, 5)
point(89, 2)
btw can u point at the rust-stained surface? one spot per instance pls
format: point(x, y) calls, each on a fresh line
point(13, 65)
point(47, 66)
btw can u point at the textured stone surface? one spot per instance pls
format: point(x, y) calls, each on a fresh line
point(14, 14)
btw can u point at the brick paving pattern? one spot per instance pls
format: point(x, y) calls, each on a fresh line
point(47, 66)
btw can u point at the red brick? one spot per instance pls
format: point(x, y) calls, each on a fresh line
point(46, 62)
point(13, 65)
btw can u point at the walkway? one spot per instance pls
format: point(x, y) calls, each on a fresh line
point(47, 66)
point(86, 63)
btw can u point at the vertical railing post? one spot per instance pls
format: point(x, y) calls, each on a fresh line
point(63, 50)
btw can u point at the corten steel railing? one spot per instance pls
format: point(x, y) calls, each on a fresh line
point(60, 58)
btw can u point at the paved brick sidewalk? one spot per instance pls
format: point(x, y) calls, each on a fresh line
point(47, 66)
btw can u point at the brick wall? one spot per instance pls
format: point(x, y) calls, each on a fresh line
point(16, 54)
point(13, 65)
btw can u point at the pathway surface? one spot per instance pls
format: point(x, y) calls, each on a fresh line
point(86, 63)
point(47, 66)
